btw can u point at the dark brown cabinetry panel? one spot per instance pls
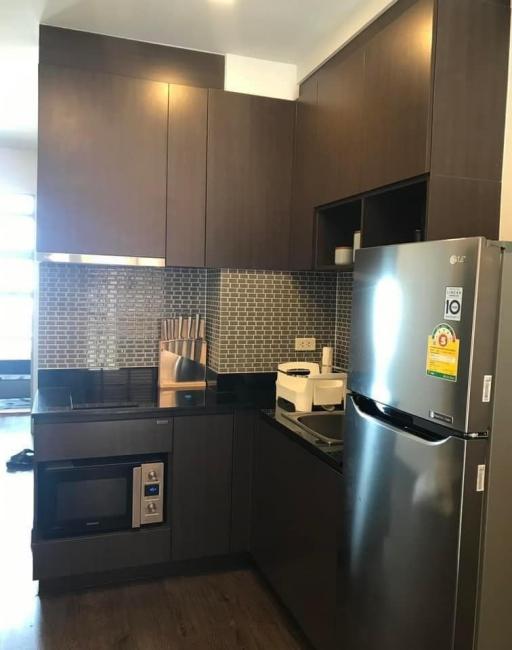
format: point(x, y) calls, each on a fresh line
point(340, 126)
point(175, 65)
point(250, 144)
point(463, 207)
point(186, 176)
point(296, 513)
point(470, 88)
point(468, 120)
point(76, 440)
point(397, 98)
point(305, 181)
point(102, 162)
point(201, 486)
point(242, 480)
point(75, 556)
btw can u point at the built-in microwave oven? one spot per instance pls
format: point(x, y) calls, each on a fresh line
point(99, 495)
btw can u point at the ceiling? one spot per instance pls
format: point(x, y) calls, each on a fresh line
point(277, 30)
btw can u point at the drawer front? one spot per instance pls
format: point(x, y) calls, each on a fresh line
point(96, 553)
point(75, 440)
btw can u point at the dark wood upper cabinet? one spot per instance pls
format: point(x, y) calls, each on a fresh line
point(101, 53)
point(250, 145)
point(201, 486)
point(305, 176)
point(102, 161)
point(328, 147)
point(472, 42)
point(397, 98)
point(340, 126)
point(469, 109)
point(130, 166)
point(428, 82)
point(186, 177)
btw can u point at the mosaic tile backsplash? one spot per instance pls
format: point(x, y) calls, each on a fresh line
point(261, 313)
point(108, 317)
point(213, 320)
point(343, 319)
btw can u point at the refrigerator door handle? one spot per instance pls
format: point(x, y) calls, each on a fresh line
point(419, 436)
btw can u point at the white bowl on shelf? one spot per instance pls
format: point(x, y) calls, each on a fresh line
point(343, 255)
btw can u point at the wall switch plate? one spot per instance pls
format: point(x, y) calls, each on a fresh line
point(305, 344)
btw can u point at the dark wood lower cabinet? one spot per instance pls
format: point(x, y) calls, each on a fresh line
point(243, 435)
point(201, 486)
point(295, 528)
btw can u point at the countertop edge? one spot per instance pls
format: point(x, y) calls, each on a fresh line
point(67, 416)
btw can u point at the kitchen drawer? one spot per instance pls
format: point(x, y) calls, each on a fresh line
point(95, 553)
point(75, 440)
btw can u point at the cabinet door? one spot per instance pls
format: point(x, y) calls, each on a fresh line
point(186, 177)
point(201, 486)
point(295, 528)
point(305, 177)
point(102, 163)
point(243, 435)
point(397, 98)
point(340, 126)
point(250, 143)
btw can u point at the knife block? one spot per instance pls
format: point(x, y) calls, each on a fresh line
point(182, 364)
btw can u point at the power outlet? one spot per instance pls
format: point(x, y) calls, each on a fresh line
point(305, 344)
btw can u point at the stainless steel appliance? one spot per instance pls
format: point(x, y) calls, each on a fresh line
point(427, 538)
point(89, 496)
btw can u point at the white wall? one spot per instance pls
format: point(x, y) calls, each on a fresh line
point(245, 74)
point(18, 170)
point(506, 188)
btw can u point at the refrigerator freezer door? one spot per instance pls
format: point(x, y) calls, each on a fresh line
point(410, 536)
point(424, 327)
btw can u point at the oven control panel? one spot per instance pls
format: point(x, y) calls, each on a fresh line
point(152, 493)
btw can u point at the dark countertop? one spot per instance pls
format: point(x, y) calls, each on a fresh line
point(133, 393)
point(56, 405)
point(331, 454)
point(84, 396)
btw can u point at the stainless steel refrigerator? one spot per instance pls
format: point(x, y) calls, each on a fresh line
point(426, 553)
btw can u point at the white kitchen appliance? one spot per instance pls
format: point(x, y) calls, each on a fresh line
point(301, 384)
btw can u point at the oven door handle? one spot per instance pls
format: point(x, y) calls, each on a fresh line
point(136, 492)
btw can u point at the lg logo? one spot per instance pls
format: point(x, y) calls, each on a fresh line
point(458, 259)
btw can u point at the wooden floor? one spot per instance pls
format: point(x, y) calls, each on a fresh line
point(219, 611)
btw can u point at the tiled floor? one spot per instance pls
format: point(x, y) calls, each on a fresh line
point(220, 611)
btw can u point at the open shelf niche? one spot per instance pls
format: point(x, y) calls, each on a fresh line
point(395, 216)
point(392, 215)
point(335, 226)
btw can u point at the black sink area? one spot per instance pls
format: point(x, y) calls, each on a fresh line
point(326, 426)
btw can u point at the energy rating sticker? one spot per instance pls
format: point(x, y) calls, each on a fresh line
point(443, 353)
